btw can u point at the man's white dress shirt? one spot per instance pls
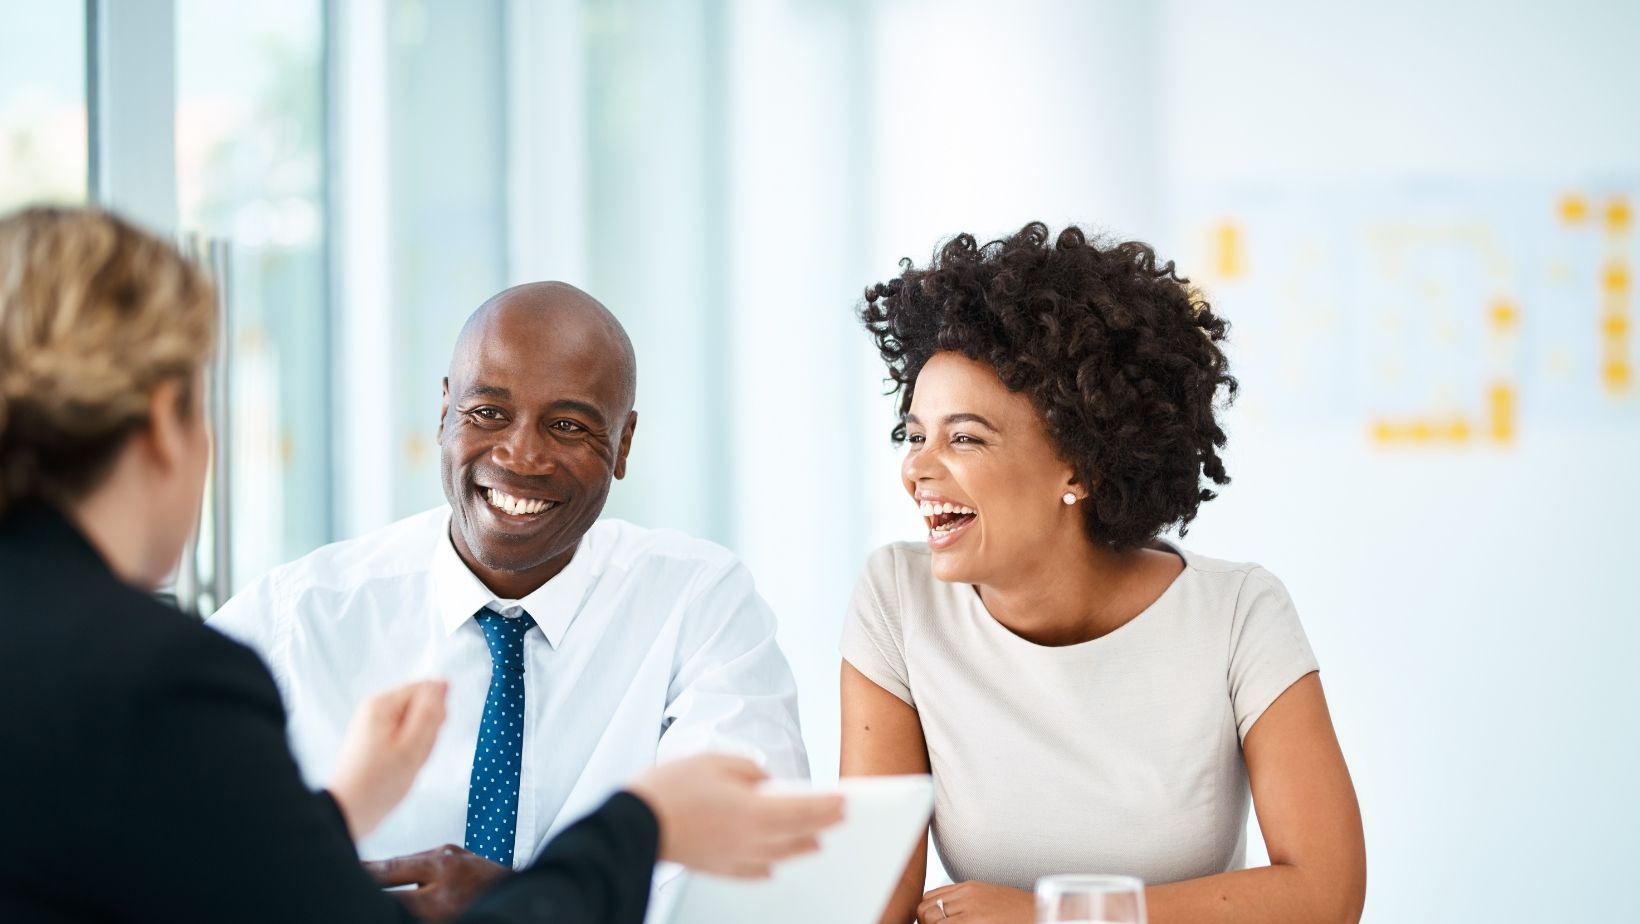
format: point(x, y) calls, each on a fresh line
point(650, 645)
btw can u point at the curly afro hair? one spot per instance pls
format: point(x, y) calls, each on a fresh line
point(1121, 357)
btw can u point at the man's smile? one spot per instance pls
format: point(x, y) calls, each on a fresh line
point(514, 505)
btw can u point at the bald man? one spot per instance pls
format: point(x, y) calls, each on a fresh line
point(579, 651)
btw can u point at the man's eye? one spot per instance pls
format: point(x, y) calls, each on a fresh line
point(963, 438)
point(487, 413)
point(566, 426)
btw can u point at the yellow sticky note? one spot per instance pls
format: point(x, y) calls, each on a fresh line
point(1574, 209)
point(1619, 216)
point(1615, 280)
point(1619, 375)
point(1227, 250)
point(1502, 405)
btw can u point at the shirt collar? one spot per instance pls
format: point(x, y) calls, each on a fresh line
point(459, 594)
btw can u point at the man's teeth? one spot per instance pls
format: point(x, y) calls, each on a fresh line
point(930, 509)
point(517, 506)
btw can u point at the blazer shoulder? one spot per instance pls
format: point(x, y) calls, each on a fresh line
point(153, 648)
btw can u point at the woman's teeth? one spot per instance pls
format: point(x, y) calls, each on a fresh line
point(944, 518)
point(517, 506)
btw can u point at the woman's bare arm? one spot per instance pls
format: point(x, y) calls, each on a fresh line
point(1311, 822)
point(883, 736)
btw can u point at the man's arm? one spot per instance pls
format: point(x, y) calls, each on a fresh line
point(252, 618)
point(732, 690)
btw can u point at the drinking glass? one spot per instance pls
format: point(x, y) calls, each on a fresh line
point(1090, 900)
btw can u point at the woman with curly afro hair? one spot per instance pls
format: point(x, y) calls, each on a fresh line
point(1088, 696)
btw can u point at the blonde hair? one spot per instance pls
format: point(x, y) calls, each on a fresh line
point(94, 313)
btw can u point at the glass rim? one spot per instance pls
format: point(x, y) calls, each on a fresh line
point(1101, 881)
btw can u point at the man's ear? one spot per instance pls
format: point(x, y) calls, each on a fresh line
point(443, 409)
point(626, 444)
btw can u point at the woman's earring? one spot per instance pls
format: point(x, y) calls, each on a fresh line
point(1069, 498)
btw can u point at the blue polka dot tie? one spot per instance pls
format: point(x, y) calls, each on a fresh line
point(492, 796)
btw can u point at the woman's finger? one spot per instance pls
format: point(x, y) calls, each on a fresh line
point(802, 814)
point(740, 767)
point(786, 848)
point(423, 717)
point(747, 870)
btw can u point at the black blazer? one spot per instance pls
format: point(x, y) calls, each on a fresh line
point(144, 774)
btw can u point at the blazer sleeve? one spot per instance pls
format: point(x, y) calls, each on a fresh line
point(597, 871)
point(220, 825)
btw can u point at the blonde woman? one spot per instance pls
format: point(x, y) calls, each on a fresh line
point(147, 777)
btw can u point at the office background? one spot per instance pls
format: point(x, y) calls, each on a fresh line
point(1418, 217)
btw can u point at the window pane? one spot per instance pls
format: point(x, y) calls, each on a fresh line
point(42, 103)
point(447, 174)
point(250, 159)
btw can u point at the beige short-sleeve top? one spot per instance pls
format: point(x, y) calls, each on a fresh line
point(1117, 755)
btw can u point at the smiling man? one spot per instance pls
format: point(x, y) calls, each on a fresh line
point(578, 650)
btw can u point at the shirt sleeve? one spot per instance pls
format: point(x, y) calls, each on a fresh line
point(1268, 649)
point(732, 690)
point(253, 619)
point(873, 637)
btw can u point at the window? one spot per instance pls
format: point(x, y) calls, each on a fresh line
point(250, 155)
point(42, 103)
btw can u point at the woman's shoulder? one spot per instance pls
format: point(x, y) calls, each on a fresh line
point(898, 556)
point(1237, 589)
point(894, 579)
point(898, 569)
point(1229, 574)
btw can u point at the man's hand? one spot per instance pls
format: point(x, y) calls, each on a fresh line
point(977, 903)
point(713, 818)
point(387, 742)
point(447, 879)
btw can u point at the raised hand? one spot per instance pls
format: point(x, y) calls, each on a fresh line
point(714, 819)
point(386, 744)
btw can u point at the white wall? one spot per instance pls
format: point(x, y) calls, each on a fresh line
point(1470, 608)
point(1472, 611)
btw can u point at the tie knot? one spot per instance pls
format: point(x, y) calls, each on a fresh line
point(505, 636)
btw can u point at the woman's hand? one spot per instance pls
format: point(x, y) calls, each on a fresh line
point(977, 903)
point(712, 817)
point(386, 744)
